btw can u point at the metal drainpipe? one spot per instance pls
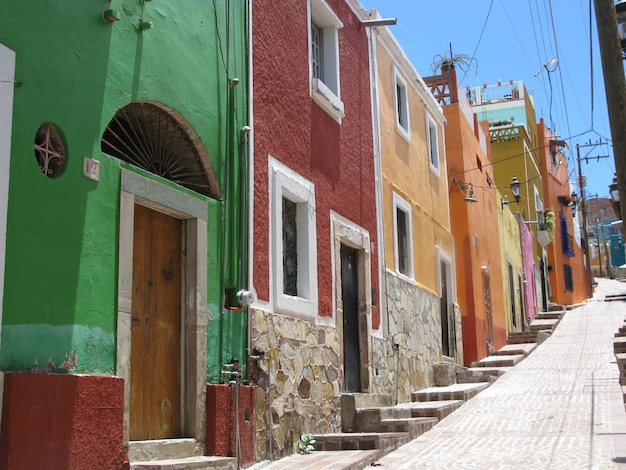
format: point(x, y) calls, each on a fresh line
point(396, 348)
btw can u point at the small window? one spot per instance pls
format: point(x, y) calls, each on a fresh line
point(294, 246)
point(324, 60)
point(317, 51)
point(569, 279)
point(50, 150)
point(402, 105)
point(290, 247)
point(433, 145)
point(403, 244)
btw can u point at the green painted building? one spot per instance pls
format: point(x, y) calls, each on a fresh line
point(123, 153)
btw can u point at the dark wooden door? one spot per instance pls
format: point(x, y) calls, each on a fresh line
point(155, 402)
point(351, 337)
point(488, 311)
point(445, 310)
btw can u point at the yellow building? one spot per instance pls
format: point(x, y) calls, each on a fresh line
point(422, 314)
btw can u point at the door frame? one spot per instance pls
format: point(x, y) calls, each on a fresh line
point(446, 259)
point(345, 232)
point(7, 85)
point(137, 189)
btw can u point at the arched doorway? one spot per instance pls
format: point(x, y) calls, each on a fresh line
point(162, 287)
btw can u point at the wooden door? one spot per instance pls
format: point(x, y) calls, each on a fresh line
point(351, 337)
point(444, 305)
point(155, 359)
point(488, 312)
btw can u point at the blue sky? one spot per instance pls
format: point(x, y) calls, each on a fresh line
point(513, 39)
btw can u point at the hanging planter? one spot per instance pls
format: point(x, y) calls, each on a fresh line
point(543, 237)
point(545, 227)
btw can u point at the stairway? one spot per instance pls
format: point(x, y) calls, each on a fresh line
point(167, 454)
point(371, 422)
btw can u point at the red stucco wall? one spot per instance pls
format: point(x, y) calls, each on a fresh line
point(53, 421)
point(221, 428)
point(291, 127)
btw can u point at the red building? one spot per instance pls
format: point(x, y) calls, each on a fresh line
point(314, 258)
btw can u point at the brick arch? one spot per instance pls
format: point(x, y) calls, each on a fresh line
point(158, 139)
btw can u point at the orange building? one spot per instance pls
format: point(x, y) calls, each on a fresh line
point(476, 217)
point(566, 266)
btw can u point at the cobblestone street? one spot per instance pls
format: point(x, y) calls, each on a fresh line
point(561, 408)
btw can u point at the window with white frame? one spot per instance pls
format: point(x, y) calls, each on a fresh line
point(403, 240)
point(324, 58)
point(433, 144)
point(293, 242)
point(538, 201)
point(402, 104)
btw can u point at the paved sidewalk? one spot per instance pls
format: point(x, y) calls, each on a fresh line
point(560, 408)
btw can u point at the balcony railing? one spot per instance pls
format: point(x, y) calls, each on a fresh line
point(503, 134)
point(498, 93)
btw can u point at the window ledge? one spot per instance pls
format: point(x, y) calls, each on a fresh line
point(329, 102)
point(298, 307)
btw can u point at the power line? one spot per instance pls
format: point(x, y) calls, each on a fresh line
point(481, 35)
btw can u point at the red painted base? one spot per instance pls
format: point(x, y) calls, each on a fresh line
point(55, 421)
point(221, 430)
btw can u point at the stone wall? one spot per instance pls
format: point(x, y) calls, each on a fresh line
point(415, 326)
point(304, 380)
point(301, 366)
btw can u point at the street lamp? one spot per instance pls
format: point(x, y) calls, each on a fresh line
point(516, 187)
point(574, 203)
point(620, 9)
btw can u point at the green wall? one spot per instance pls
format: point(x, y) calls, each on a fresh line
point(76, 71)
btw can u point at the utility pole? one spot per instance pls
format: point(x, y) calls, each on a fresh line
point(583, 204)
point(615, 87)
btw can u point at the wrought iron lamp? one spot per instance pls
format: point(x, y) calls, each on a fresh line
point(469, 197)
point(516, 188)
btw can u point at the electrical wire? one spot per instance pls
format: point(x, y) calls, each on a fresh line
point(480, 37)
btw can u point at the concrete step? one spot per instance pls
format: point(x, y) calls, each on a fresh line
point(539, 325)
point(432, 409)
point(513, 349)
point(413, 426)
point(385, 442)
point(494, 372)
point(368, 419)
point(463, 391)
point(188, 463)
point(552, 315)
point(499, 361)
point(161, 449)
point(555, 307)
point(479, 374)
point(519, 337)
point(619, 345)
point(337, 460)
point(351, 402)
